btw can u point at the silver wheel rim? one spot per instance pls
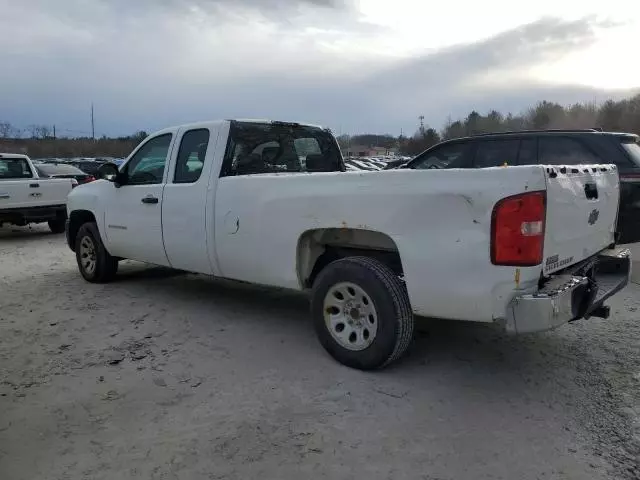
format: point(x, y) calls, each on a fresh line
point(88, 257)
point(350, 316)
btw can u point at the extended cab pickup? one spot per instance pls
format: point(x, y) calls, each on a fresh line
point(26, 198)
point(527, 248)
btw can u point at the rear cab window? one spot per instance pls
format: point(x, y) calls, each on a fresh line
point(259, 148)
point(12, 168)
point(191, 155)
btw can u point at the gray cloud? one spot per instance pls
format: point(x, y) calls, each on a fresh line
point(528, 45)
point(146, 75)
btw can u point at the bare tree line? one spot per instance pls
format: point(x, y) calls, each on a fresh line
point(39, 141)
point(623, 116)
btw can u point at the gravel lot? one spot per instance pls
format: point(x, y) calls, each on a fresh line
point(163, 375)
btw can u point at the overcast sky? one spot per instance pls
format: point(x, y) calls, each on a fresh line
point(353, 65)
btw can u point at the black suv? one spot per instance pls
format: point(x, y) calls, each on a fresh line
point(549, 147)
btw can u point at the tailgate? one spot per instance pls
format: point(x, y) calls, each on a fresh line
point(582, 209)
point(34, 192)
point(53, 191)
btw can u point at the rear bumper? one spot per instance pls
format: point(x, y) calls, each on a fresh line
point(572, 296)
point(24, 216)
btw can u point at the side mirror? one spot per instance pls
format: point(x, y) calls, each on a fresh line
point(110, 173)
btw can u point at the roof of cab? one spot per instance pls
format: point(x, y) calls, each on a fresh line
point(215, 123)
point(13, 155)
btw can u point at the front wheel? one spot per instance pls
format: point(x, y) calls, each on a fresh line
point(361, 313)
point(96, 265)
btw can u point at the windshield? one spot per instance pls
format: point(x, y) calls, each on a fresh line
point(11, 168)
point(256, 148)
point(633, 149)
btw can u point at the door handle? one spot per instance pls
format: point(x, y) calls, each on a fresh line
point(34, 185)
point(5, 195)
point(150, 199)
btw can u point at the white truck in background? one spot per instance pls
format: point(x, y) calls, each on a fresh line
point(26, 198)
point(526, 248)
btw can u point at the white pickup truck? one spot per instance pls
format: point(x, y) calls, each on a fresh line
point(26, 198)
point(526, 248)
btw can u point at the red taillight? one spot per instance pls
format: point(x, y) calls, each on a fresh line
point(90, 178)
point(517, 230)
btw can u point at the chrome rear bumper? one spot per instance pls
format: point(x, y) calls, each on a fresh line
point(572, 296)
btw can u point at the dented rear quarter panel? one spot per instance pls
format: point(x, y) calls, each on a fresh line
point(440, 221)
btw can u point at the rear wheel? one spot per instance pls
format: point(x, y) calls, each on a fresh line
point(361, 313)
point(96, 265)
point(57, 225)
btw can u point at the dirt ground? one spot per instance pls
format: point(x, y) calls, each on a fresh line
point(172, 376)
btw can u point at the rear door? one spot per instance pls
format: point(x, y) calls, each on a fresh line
point(186, 198)
point(582, 202)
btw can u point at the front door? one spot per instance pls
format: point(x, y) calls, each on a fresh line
point(133, 212)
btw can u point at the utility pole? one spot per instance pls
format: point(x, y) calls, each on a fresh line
point(93, 127)
point(54, 132)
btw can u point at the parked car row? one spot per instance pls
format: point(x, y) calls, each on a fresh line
point(86, 164)
point(62, 170)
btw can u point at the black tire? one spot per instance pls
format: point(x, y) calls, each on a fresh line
point(390, 300)
point(104, 266)
point(57, 225)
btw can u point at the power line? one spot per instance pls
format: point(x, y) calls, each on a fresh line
point(93, 127)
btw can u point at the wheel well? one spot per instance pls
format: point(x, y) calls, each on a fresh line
point(318, 248)
point(76, 220)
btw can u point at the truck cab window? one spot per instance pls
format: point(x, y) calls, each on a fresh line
point(191, 155)
point(146, 167)
point(565, 151)
point(12, 168)
point(259, 148)
point(454, 155)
